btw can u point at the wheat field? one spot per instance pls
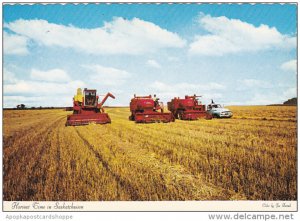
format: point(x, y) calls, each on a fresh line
point(252, 156)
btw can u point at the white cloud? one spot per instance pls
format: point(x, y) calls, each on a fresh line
point(289, 66)
point(36, 88)
point(55, 101)
point(169, 91)
point(233, 36)
point(263, 99)
point(160, 86)
point(38, 93)
point(14, 44)
point(107, 75)
point(54, 75)
point(290, 93)
point(8, 76)
point(119, 36)
point(272, 97)
point(172, 58)
point(153, 63)
point(253, 83)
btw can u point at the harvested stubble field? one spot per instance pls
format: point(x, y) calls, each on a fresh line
point(251, 156)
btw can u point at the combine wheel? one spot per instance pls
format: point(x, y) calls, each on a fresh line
point(131, 117)
point(209, 116)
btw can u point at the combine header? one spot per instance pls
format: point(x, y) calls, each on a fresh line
point(86, 109)
point(146, 109)
point(188, 108)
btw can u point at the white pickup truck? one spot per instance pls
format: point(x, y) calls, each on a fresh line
point(216, 110)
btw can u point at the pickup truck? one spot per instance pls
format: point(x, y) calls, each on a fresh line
point(216, 110)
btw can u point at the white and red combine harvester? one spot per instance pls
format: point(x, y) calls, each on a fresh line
point(86, 108)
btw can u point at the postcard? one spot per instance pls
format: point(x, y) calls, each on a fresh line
point(150, 107)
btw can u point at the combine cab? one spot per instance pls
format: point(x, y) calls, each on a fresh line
point(188, 108)
point(86, 109)
point(148, 110)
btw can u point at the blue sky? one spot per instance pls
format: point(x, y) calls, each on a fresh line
point(236, 54)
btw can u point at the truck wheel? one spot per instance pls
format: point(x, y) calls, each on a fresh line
point(216, 116)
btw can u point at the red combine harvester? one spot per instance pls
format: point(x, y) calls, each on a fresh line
point(146, 109)
point(188, 108)
point(86, 108)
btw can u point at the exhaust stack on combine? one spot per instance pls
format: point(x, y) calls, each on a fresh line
point(86, 108)
point(145, 109)
point(188, 108)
